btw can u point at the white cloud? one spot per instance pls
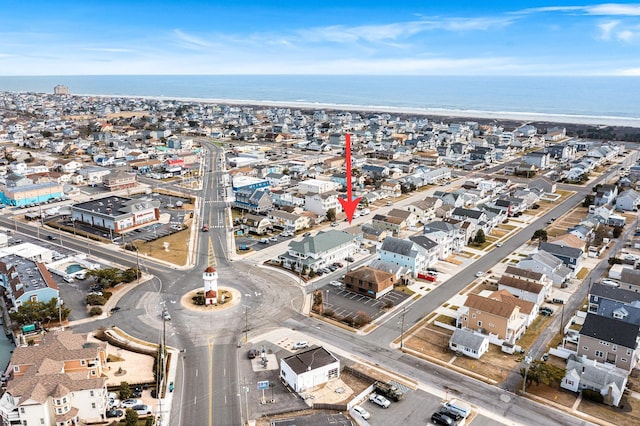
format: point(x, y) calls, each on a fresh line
point(189, 41)
point(614, 9)
point(399, 30)
point(606, 28)
point(605, 9)
point(108, 49)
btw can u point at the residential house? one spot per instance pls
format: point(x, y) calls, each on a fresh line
point(283, 198)
point(606, 194)
point(318, 251)
point(255, 224)
point(392, 224)
point(430, 247)
point(628, 201)
point(93, 174)
point(547, 264)
point(630, 279)
point(540, 160)
point(374, 235)
point(308, 369)
point(375, 172)
point(406, 253)
point(583, 373)
point(491, 317)
point(544, 184)
point(570, 256)
point(478, 218)
point(409, 218)
point(609, 340)
point(288, 222)
point(526, 275)
point(323, 202)
point(526, 290)
point(26, 280)
point(119, 180)
point(605, 300)
point(58, 382)
point(253, 200)
point(425, 210)
point(370, 282)
point(278, 180)
point(447, 235)
point(469, 343)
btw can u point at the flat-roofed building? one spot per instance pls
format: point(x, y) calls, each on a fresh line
point(117, 214)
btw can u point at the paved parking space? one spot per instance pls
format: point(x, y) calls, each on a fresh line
point(347, 304)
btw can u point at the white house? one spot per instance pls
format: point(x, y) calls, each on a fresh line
point(306, 370)
point(583, 373)
point(628, 201)
point(317, 186)
point(468, 342)
point(321, 203)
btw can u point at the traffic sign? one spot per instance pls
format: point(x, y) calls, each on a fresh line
point(262, 385)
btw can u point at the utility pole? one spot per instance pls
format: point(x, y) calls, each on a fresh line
point(404, 311)
point(246, 323)
point(527, 361)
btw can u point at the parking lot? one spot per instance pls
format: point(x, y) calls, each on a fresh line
point(346, 304)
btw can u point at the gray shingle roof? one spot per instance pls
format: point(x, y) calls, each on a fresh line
point(614, 293)
point(467, 338)
point(610, 330)
point(561, 250)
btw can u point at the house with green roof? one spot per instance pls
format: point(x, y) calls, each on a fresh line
point(318, 251)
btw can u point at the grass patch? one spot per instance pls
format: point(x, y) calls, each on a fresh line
point(582, 274)
point(533, 331)
point(404, 289)
point(178, 249)
point(445, 319)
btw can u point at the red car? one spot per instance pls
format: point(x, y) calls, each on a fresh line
point(205, 228)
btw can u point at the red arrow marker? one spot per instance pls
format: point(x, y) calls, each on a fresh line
point(349, 205)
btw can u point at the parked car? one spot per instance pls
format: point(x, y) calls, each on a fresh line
point(362, 412)
point(130, 403)
point(115, 309)
point(253, 353)
point(171, 386)
point(303, 344)
point(306, 234)
point(273, 239)
point(334, 224)
point(379, 400)
point(335, 283)
point(349, 259)
point(142, 409)
point(51, 237)
point(498, 244)
point(442, 419)
point(449, 413)
point(546, 311)
point(114, 413)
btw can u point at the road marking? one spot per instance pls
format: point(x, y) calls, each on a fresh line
point(210, 344)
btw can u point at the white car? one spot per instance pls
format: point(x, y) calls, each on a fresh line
point(379, 400)
point(498, 244)
point(336, 283)
point(130, 403)
point(479, 274)
point(362, 412)
point(303, 344)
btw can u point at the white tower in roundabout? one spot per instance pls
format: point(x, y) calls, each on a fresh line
point(210, 278)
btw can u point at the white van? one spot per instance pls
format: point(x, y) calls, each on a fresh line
point(459, 407)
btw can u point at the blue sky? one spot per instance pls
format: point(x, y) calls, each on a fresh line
point(320, 37)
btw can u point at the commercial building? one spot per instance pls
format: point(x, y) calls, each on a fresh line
point(21, 191)
point(117, 214)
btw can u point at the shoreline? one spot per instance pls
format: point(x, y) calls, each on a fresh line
point(525, 117)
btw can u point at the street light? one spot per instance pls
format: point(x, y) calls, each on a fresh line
point(527, 361)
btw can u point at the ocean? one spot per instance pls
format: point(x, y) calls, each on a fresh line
point(596, 100)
